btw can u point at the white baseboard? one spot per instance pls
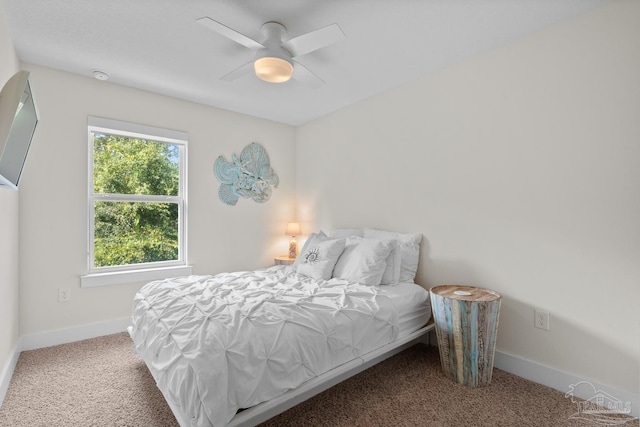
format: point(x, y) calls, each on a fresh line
point(7, 371)
point(561, 381)
point(78, 333)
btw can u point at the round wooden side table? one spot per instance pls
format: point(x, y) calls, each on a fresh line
point(284, 260)
point(466, 323)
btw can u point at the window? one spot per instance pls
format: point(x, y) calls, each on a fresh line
point(136, 201)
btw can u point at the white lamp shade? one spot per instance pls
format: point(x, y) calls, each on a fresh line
point(293, 229)
point(273, 70)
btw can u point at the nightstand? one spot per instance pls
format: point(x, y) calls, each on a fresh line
point(284, 260)
point(466, 320)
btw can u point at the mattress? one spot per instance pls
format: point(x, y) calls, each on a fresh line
point(217, 344)
point(413, 305)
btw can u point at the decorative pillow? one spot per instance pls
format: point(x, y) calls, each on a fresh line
point(408, 246)
point(319, 258)
point(314, 238)
point(363, 260)
point(347, 232)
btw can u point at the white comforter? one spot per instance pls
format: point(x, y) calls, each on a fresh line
point(215, 344)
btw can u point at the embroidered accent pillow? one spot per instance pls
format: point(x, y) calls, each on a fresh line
point(319, 258)
point(313, 239)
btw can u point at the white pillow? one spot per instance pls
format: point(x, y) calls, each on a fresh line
point(391, 275)
point(409, 248)
point(319, 258)
point(363, 260)
point(347, 232)
point(314, 238)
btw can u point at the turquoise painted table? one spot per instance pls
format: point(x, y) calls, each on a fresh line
point(466, 320)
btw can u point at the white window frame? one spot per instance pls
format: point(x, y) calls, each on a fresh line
point(98, 276)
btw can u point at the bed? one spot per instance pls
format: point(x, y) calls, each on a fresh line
point(238, 348)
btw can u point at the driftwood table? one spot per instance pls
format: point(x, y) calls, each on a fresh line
point(466, 320)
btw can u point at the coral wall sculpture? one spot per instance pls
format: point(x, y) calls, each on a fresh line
point(249, 176)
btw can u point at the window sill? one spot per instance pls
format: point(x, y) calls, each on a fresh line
point(131, 276)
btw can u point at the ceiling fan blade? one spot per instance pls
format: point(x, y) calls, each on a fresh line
point(304, 75)
point(241, 71)
point(229, 33)
point(314, 40)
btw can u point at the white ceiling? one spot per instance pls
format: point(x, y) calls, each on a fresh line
point(156, 45)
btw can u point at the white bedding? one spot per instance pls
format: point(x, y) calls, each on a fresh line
point(215, 344)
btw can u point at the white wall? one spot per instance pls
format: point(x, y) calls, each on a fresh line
point(53, 195)
point(520, 168)
point(8, 226)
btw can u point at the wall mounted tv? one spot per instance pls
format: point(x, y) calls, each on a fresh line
point(18, 120)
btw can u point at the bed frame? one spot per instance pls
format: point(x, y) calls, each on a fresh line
point(269, 409)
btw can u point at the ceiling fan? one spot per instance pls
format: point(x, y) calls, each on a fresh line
point(275, 57)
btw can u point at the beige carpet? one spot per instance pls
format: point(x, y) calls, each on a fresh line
point(100, 382)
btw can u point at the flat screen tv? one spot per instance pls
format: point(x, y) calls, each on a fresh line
point(18, 120)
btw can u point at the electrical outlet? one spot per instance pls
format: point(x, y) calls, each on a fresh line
point(64, 294)
point(541, 320)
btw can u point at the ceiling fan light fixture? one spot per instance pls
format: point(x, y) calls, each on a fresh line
point(272, 69)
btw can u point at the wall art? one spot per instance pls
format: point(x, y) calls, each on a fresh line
point(249, 176)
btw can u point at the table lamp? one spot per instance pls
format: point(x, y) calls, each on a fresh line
point(293, 229)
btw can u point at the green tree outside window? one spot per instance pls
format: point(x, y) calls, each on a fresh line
point(135, 231)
